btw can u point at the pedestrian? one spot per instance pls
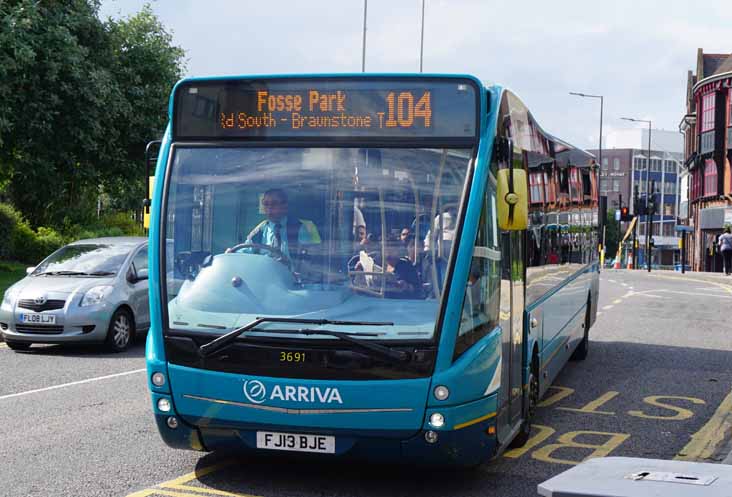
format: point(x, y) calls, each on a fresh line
point(725, 246)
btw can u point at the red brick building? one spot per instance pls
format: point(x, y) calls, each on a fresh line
point(707, 128)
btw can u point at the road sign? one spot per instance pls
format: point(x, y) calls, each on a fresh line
point(617, 215)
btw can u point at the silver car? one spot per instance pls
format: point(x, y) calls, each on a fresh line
point(88, 291)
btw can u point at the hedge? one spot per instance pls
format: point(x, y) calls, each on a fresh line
point(19, 242)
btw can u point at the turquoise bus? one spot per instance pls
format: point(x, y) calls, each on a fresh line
point(379, 266)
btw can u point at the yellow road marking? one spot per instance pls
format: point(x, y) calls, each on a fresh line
point(188, 477)
point(617, 301)
point(655, 400)
point(561, 394)
point(568, 441)
point(591, 407)
point(542, 433)
point(607, 307)
point(210, 491)
point(704, 442)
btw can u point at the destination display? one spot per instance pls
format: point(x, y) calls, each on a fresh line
point(407, 108)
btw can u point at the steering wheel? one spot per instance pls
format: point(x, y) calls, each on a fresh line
point(275, 253)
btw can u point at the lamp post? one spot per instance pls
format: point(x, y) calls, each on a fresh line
point(363, 44)
point(649, 220)
point(585, 95)
point(421, 40)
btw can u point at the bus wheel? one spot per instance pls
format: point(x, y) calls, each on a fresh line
point(18, 345)
point(525, 432)
point(580, 353)
point(121, 331)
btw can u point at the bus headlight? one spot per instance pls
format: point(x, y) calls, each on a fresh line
point(164, 405)
point(158, 379)
point(437, 420)
point(441, 392)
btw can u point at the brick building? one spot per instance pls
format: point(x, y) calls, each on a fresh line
point(625, 167)
point(707, 129)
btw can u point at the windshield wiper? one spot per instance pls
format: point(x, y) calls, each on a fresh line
point(62, 273)
point(224, 340)
point(101, 273)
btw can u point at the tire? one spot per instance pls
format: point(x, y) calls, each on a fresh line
point(18, 345)
point(580, 353)
point(121, 333)
point(525, 432)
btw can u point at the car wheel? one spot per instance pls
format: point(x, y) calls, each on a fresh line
point(121, 331)
point(18, 345)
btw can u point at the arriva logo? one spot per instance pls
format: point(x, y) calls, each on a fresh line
point(256, 392)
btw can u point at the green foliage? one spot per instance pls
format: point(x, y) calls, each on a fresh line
point(80, 99)
point(22, 243)
point(9, 219)
point(612, 235)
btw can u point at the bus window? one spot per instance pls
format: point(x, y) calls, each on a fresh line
point(481, 301)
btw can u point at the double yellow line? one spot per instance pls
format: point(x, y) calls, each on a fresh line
point(177, 487)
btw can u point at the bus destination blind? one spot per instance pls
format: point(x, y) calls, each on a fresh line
point(325, 108)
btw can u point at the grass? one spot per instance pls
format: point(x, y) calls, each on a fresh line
point(10, 272)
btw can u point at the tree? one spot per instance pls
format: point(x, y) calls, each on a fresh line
point(612, 235)
point(80, 99)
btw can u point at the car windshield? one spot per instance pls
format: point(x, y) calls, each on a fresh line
point(342, 234)
point(85, 259)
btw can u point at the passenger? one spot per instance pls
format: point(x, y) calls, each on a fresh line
point(404, 283)
point(289, 235)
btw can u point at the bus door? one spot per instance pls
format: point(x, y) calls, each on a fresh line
point(512, 311)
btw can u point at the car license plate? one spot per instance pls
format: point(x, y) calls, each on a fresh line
point(296, 442)
point(36, 318)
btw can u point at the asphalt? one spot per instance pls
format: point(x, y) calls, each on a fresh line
point(652, 386)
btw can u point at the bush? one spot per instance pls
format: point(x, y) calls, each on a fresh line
point(9, 219)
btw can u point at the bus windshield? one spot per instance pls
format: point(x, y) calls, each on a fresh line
point(347, 234)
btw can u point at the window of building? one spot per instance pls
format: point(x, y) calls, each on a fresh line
point(729, 108)
point(551, 194)
point(536, 188)
point(604, 163)
point(616, 185)
point(668, 209)
point(655, 165)
point(603, 185)
point(710, 178)
point(640, 163)
point(668, 229)
point(616, 164)
point(707, 123)
point(671, 166)
point(669, 187)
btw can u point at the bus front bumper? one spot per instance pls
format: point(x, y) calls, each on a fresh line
point(465, 444)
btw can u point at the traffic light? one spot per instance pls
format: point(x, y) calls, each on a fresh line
point(625, 214)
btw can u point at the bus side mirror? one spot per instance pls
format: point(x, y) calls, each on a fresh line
point(512, 200)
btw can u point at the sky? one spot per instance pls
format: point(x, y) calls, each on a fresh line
point(636, 53)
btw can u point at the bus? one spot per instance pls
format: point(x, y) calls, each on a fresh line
point(392, 267)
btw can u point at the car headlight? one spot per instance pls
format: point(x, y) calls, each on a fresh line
point(96, 295)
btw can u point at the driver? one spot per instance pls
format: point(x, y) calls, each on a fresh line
point(279, 231)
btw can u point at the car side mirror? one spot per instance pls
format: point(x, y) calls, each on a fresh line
point(29, 270)
point(142, 274)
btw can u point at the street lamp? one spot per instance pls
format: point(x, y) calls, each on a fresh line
point(585, 95)
point(649, 221)
point(363, 44)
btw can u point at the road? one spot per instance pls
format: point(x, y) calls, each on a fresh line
point(77, 421)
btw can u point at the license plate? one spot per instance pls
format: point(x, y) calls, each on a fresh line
point(38, 318)
point(297, 442)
